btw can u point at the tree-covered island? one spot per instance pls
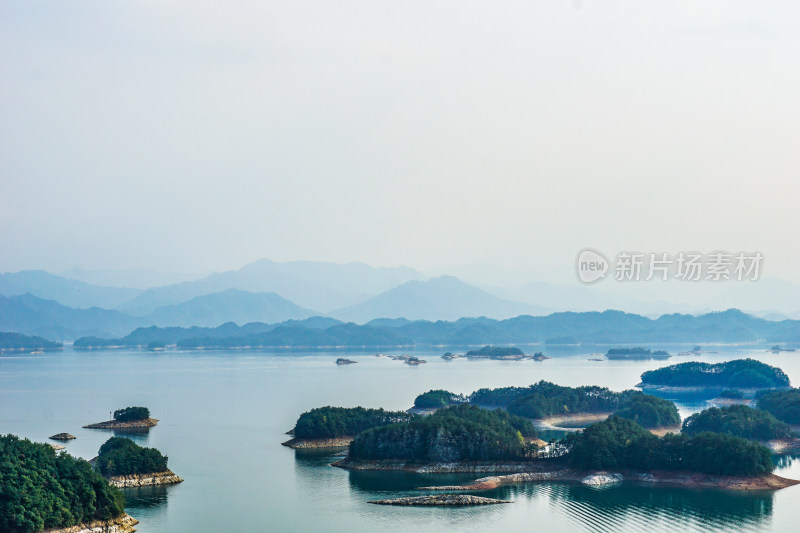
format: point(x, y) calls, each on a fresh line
point(739, 421)
point(127, 418)
point(126, 464)
point(324, 427)
point(19, 343)
point(737, 374)
point(41, 489)
point(783, 404)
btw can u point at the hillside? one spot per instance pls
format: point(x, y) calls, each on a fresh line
point(65, 291)
point(311, 284)
point(442, 298)
point(231, 305)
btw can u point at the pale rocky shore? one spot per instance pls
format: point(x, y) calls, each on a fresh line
point(116, 424)
point(145, 480)
point(123, 524)
point(338, 442)
point(442, 499)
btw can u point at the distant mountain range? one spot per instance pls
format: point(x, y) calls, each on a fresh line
point(609, 327)
point(442, 298)
point(65, 291)
point(314, 285)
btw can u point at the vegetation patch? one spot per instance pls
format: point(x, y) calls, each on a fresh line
point(331, 422)
point(123, 457)
point(783, 404)
point(740, 421)
point(741, 373)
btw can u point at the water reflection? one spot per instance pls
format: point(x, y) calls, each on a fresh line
point(145, 497)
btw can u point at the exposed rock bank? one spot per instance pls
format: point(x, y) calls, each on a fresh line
point(444, 499)
point(123, 524)
point(62, 436)
point(131, 424)
point(145, 480)
point(338, 442)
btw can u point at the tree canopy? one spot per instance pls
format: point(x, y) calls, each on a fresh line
point(650, 411)
point(130, 414)
point(41, 489)
point(783, 404)
point(618, 443)
point(738, 420)
point(434, 399)
point(740, 373)
point(457, 433)
point(331, 422)
point(119, 456)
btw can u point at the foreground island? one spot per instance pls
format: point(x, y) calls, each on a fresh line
point(126, 464)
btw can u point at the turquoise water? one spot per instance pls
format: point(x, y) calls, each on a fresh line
point(224, 414)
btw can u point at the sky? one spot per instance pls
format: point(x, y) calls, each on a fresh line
point(193, 136)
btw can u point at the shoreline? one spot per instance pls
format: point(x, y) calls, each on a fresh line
point(301, 444)
point(123, 524)
point(536, 471)
point(131, 424)
point(167, 477)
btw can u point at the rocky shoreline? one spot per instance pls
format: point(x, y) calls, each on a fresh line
point(531, 471)
point(116, 424)
point(123, 524)
point(300, 444)
point(167, 477)
point(439, 500)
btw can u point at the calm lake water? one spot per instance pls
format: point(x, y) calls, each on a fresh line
point(224, 414)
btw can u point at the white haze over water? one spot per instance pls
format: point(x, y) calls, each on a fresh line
point(199, 136)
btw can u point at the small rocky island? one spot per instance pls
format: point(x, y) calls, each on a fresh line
point(343, 361)
point(504, 353)
point(126, 464)
point(127, 418)
point(636, 353)
point(62, 436)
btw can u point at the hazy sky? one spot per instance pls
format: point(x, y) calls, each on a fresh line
point(198, 135)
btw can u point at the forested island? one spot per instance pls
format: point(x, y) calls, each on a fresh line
point(456, 433)
point(127, 418)
point(636, 353)
point(41, 489)
point(126, 464)
point(783, 404)
point(737, 374)
point(544, 399)
point(739, 421)
point(19, 343)
point(324, 427)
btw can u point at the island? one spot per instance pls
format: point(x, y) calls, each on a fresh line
point(635, 353)
point(503, 353)
point(127, 418)
point(343, 361)
point(440, 500)
point(19, 343)
point(413, 361)
point(62, 436)
point(745, 422)
point(45, 490)
point(126, 464)
point(554, 406)
point(693, 377)
point(782, 404)
point(436, 399)
point(331, 427)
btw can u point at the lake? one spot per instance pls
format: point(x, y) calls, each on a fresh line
point(223, 415)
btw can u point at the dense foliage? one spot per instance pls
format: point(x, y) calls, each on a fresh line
point(129, 414)
point(122, 457)
point(495, 351)
point(433, 399)
point(618, 443)
point(458, 433)
point(650, 411)
point(783, 404)
point(741, 373)
point(546, 399)
point(19, 342)
point(731, 394)
point(738, 420)
point(332, 422)
point(41, 489)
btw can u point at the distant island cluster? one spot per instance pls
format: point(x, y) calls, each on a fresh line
point(631, 435)
point(45, 488)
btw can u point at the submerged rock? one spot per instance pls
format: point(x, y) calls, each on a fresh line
point(441, 499)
